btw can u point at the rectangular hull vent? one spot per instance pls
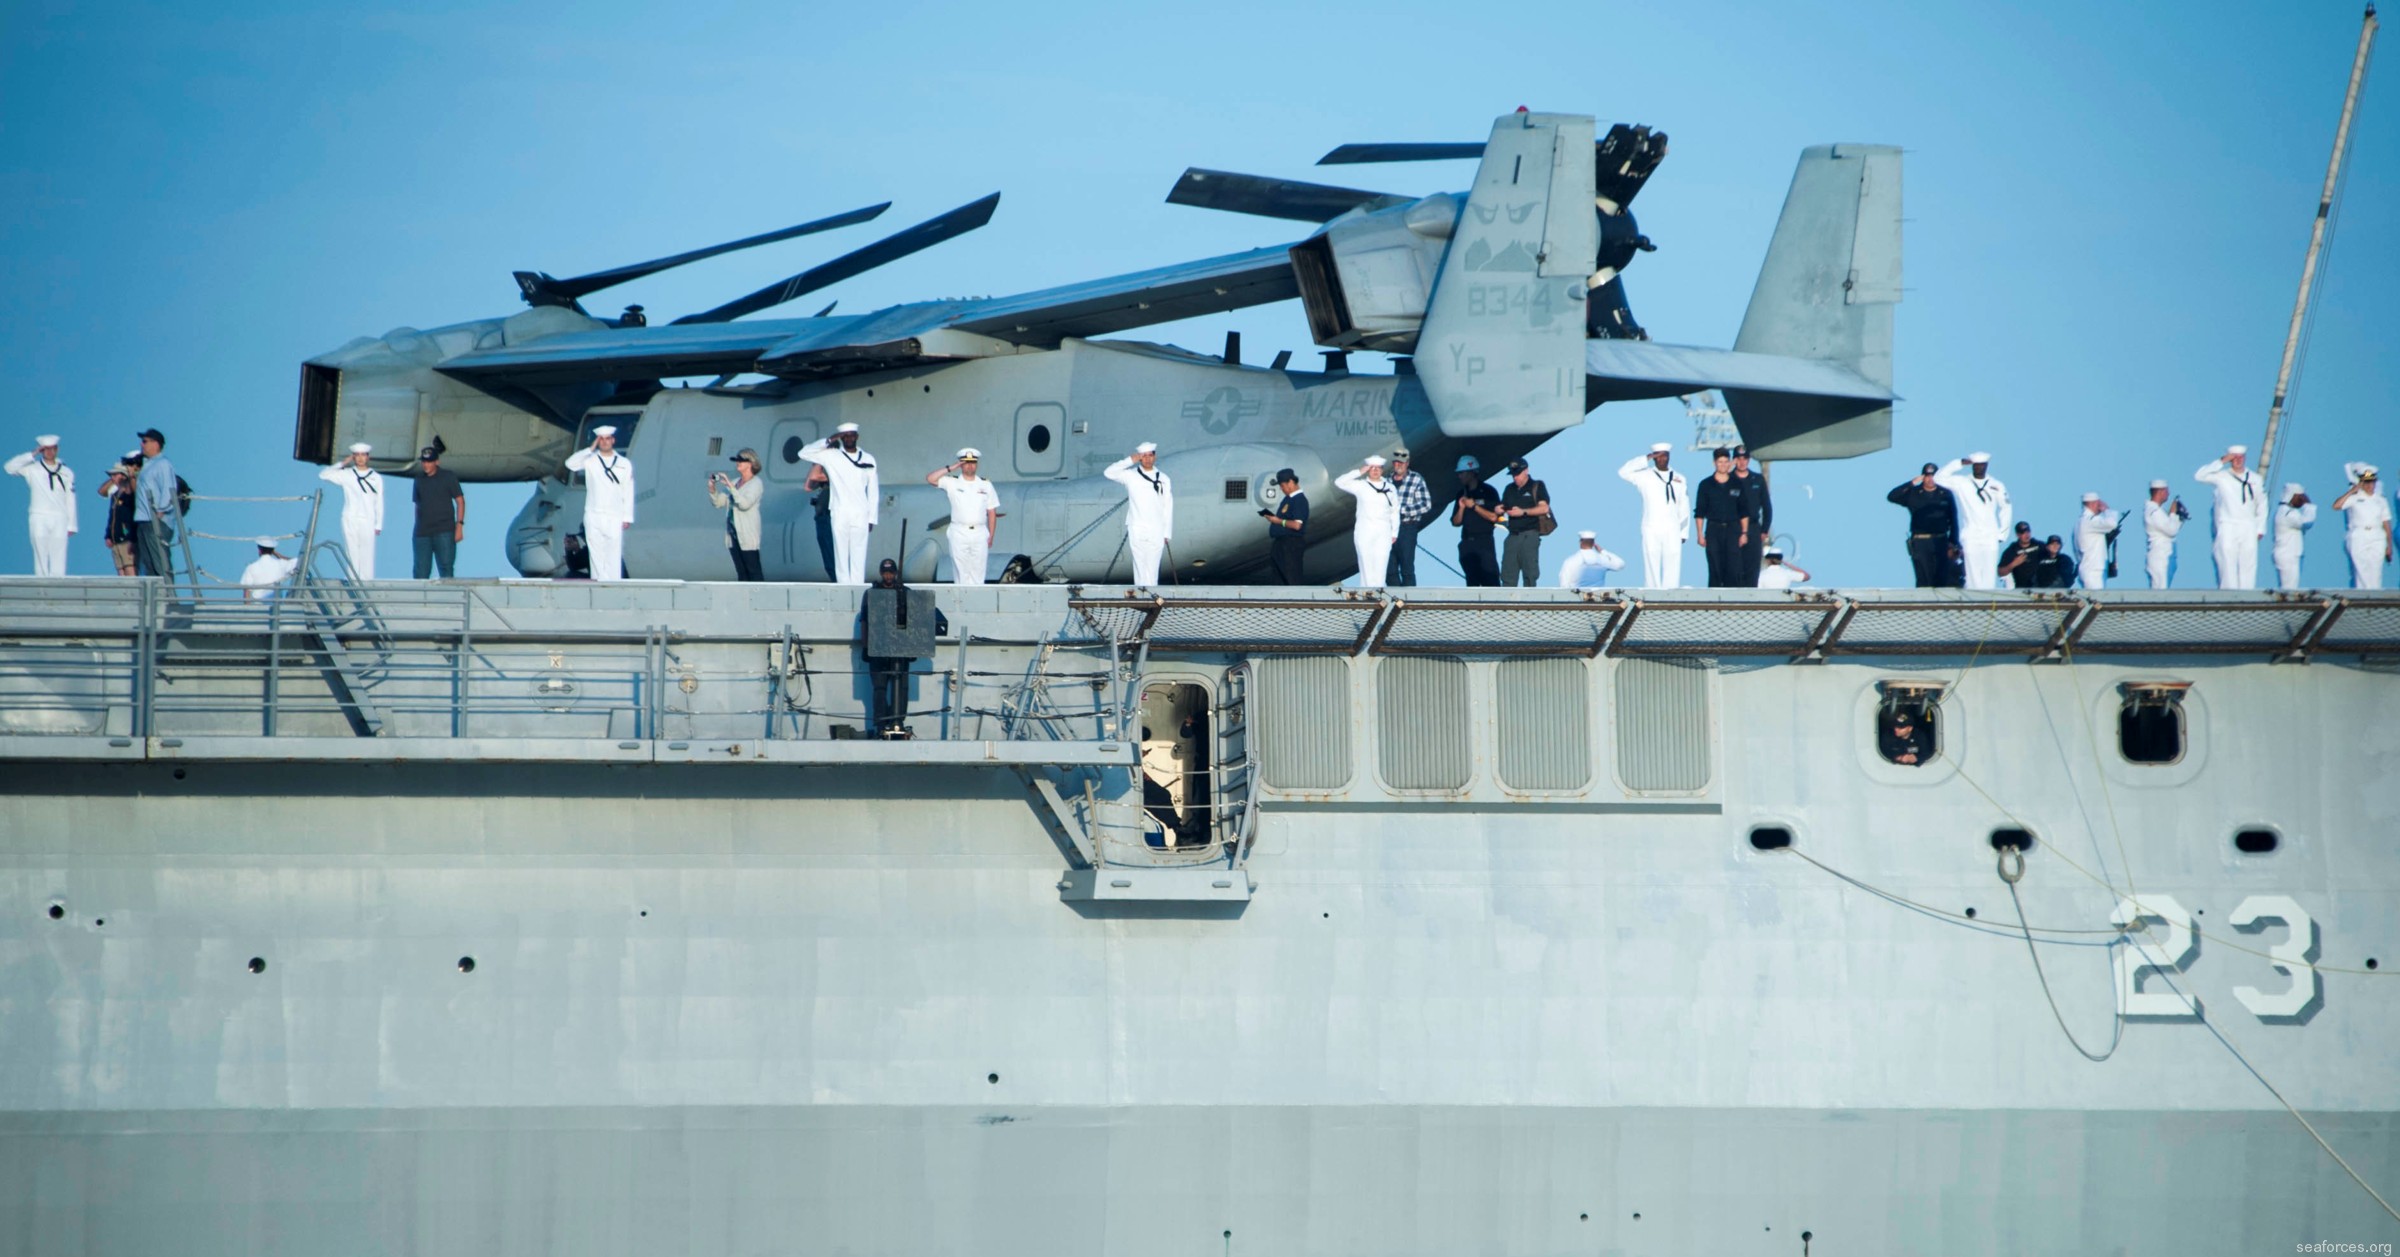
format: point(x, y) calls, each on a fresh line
point(1423, 723)
point(1304, 721)
point(1545, 724)
point(1662, 725)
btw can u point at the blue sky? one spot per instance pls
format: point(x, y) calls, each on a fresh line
point(2107, 204)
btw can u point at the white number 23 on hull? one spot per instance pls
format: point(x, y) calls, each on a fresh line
point(2146, 951)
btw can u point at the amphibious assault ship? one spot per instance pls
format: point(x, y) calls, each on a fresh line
point(529, 917)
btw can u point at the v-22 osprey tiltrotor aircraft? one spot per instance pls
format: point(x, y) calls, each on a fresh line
point(1507, 298)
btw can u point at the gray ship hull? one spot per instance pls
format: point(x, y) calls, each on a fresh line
point(727, 997)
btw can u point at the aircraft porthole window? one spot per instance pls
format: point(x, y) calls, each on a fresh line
point(791, 449)
point(1037, 437)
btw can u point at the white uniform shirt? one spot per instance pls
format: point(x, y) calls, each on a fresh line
point(969, 500)
point(1666, 498)
point(53, 486)
point(1778, 576)
point(2292, 521)
point(2092, 529)
point(2158, 520)
point(2367, 512)
point(362, 494)
point(2241, 509)
point(1149, 499)
point(1588, 569)
point(1983, 507)
point(264, 574)
point(852, 480)
point(607, 483)
point(1378, 503)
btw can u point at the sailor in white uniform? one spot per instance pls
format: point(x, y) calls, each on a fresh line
point(362, 507)
point(1984, 516)
point(50, 517)
point(1780, 573)
point(2294, 516)
point(266, 572)
point(2368, 535)
point(1666, 515)
point(607, 501)
point(1588, 567)
point(2161, 522)
point(1149, 509)
point(1378, 524)
point(2092, 528)
point(974, 513)
point(854, 487)
point(2240, 517)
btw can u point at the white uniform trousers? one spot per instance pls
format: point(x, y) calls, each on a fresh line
point(1145, 552)
point(1374, 553)
point(1981, 555)
point(2366, 558)
point(970, 549)
point(2161, 562)
point(1662, 559)
point(850, 534)
point(2091, 569)
point(2287, 565)
point(2237, 561)
point(605, 540)
point(358, 537)
point(49, 533)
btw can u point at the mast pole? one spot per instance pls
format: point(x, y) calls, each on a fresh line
point(2316, 243)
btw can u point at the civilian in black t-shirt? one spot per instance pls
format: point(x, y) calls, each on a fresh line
point(441, 515)
point(1524, 502)
point(2020, 561)
point(1721, 506)
point(1476, 510)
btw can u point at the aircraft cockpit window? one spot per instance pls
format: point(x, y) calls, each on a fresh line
point(1037, 437)
point(1908, 723)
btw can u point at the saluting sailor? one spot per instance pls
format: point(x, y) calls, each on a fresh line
point(50, 517)
point(1983, 516)
point(2161, 521)
point(2294, 516)
point(1149, 509)
point(269, 570)
point(2240, 517)
point(2093, 528)
point(974, 514)
point(855, 490)
point(2369, 519)
point(607, 501)
point(1589, 566)
point(1378, 523)
point(1666, 515)
point(362, 507)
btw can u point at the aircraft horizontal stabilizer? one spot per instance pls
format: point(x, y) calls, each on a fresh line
point(1361, 154)
point(1774, 398)
point(1270, 198)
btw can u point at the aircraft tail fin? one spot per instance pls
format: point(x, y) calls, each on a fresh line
point(1501, 348)
point(1826, 292)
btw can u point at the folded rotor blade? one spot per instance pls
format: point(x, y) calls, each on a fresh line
point(1269, 198)
point(1625, 158)
point(924, 235)
point(1355, 154)
point(540, 289)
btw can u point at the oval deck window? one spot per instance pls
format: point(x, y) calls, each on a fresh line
point(1770, 837)
point(2012, 840)
point(2256, 841)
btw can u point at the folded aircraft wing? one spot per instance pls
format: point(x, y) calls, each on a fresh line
point(820, 347)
